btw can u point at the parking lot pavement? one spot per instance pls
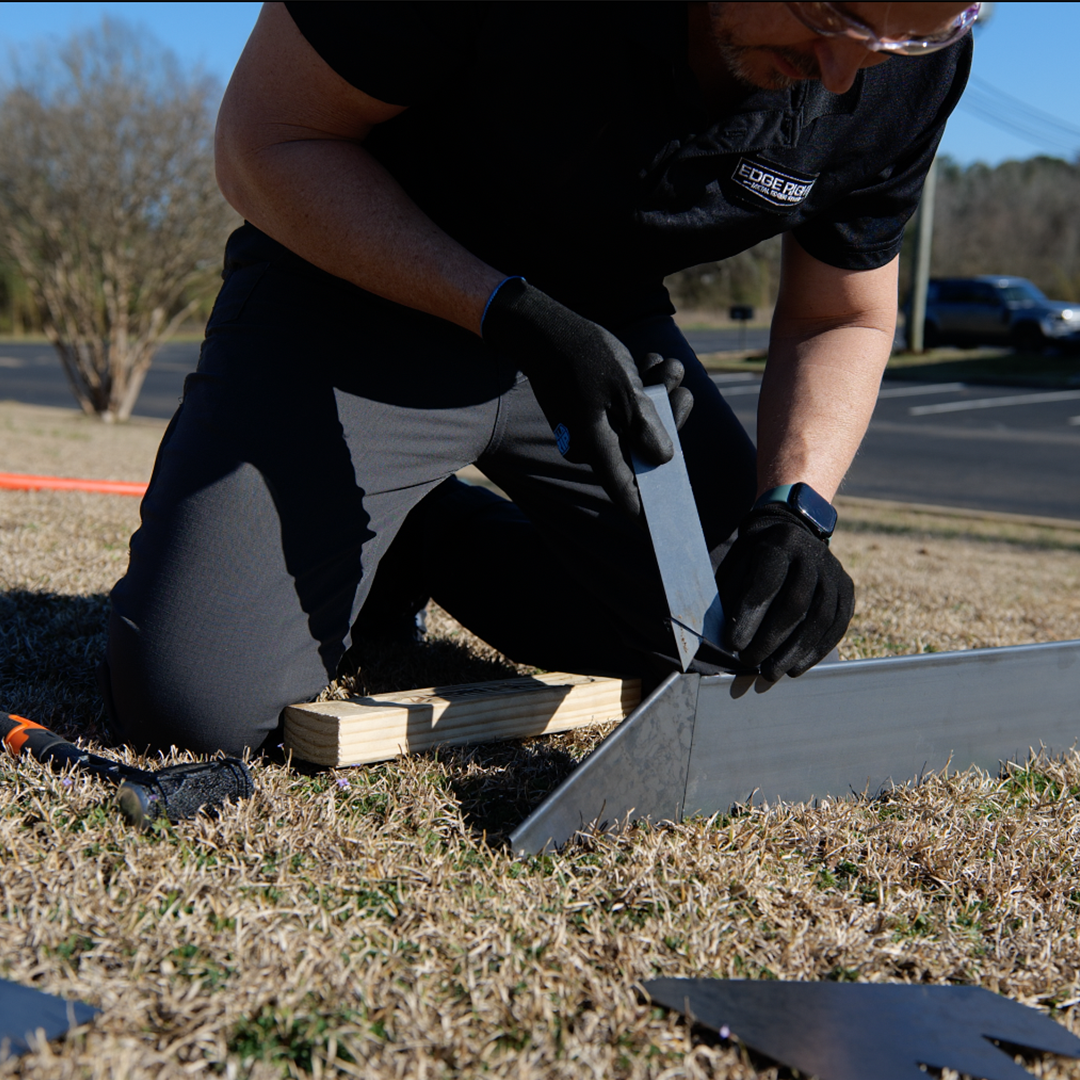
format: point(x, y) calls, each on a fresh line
point(949, 444)
point(727, 339)
point(996, 411)
point(981, 447)
point(998, 402)
point(30, 372)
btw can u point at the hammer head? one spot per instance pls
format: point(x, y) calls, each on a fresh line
point(179, 792)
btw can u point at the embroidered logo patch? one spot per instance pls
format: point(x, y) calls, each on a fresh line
point(775, 186)
point(562, 438)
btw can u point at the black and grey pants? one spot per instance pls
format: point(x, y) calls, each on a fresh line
point(318, 442)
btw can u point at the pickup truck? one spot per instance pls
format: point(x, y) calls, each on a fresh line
point(996, 310)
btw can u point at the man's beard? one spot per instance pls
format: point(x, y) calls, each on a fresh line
point(735, 57)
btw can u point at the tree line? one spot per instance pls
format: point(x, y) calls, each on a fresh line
point(1022, 218)
point(1019, 217)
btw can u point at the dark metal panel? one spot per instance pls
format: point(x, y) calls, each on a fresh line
point(24, 1010)
point(679, 542)
point(851, 1031)
point(863, 724)
point(840, 728)
point(639, 771)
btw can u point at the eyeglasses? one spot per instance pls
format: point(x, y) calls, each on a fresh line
point(829, 21)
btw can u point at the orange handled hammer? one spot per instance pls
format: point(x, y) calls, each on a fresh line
point(173, 793)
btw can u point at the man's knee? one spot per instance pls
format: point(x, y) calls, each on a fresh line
point(160, 694)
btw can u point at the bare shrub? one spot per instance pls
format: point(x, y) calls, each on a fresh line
point(108, 204)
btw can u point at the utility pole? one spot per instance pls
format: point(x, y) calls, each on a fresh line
point(923, 240)
point(925, 235)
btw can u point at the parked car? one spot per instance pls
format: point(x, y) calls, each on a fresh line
point(996, 310)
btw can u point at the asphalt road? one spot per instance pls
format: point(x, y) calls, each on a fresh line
point(724, 339)
point(992, 448)
point(727, 340)
point(32, 374)
point(980, 447)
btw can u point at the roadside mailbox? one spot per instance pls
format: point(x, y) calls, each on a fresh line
point(742, 314)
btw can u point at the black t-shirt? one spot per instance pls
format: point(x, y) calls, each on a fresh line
point(569, 143)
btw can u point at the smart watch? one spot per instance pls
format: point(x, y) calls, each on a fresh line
point(815, 510)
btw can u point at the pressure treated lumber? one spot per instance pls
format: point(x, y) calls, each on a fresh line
point(384, 726)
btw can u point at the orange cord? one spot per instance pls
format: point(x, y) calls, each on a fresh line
point(23, 482)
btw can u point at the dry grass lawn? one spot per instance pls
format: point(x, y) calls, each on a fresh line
point(370, 922)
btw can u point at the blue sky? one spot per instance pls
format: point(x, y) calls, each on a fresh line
point(1026, 51)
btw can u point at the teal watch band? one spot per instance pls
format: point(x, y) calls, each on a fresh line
point(803, 500)
point(774, 495)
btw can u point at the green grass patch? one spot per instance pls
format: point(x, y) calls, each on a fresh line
point(298, 1040)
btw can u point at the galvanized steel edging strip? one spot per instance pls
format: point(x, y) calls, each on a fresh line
point(853, 726)
point(638, 771)
point(679, 542)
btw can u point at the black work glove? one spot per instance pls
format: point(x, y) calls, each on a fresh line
point(656, 371)
point(786, 598)
point(587, 384)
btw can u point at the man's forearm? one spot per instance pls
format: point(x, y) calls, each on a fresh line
point(353, 220)
point(831, 338)
point(817, 398)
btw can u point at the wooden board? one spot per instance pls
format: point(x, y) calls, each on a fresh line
point(384, 726)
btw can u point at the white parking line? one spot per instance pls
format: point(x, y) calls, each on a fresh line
point(918, 391)
point(720, 377)
point(893, 392)
point(994, 402)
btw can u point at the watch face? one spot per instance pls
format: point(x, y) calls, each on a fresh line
point(812, 506)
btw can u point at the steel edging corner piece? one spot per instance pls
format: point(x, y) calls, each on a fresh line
point(638, 771)
point(682, 556)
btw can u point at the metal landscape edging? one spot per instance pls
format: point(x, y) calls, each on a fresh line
point(855, 726)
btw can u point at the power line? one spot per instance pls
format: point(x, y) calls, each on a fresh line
point(1015, 103)
point(1010, 114)
point(986, 110)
